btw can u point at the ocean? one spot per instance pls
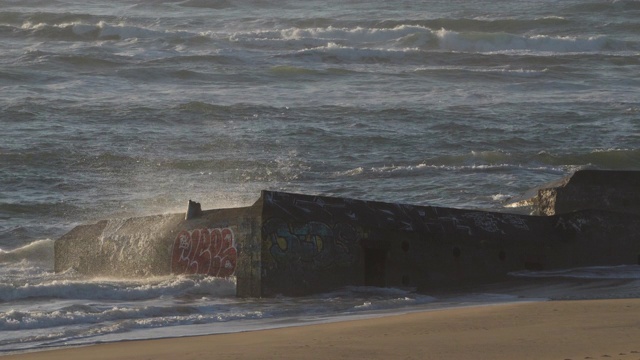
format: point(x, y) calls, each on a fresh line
point(129, 108)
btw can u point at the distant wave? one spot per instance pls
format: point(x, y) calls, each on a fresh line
point(91, 27)
point(601, 6)
point(86, 31)
point(42, 17)
point(412, 37)
point(469, 71)
point(499, 160)
point(207, 4)
point(458, 35)
point(479, 24)
point(500, 42)
point(360, 171)
point(412, 48)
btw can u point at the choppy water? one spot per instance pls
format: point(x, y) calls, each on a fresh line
point(121, 108)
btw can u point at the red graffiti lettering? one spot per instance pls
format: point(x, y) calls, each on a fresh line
point(204, 251)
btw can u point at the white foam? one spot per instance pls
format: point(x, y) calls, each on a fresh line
point(503, 42)
point(591, 272)
point(352, 172)
point(117, 315)
point(519, 72)
point(459, 167)
point(363, 42)
point(124, 317)
point(57, 286)
point(501, 197)
point(357, 34)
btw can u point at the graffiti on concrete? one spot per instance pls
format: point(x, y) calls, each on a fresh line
point(205, 251)
point(402, 217)
point(331, 210)
point(313, 244)
point(516, 221)
point(485, 221)
point(495, 222)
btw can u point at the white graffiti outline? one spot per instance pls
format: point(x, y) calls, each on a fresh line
point(200, 259)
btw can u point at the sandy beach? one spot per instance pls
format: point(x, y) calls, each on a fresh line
point(582, 329)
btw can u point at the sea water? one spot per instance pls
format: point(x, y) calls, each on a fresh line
point(112, 109)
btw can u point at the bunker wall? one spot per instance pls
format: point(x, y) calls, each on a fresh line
point(313, 243)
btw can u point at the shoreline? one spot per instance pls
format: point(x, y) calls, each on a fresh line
point(558, 329)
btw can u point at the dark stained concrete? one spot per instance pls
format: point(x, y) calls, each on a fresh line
point(611, 190)
point(296, 244)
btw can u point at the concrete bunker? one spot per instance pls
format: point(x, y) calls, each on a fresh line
point(296, 244)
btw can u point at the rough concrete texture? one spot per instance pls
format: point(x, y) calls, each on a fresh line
point(313, 243)
point(617, 191)
point(296, 244)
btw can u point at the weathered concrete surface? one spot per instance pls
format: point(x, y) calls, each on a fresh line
point(296, 244)
point(221, 242)
point(313, 243)
point(585, 189)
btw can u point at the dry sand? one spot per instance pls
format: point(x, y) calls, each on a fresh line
point(585, 329)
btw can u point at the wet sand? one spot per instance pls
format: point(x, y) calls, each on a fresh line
point(577, 329)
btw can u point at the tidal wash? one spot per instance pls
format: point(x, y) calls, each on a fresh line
point(122, 109)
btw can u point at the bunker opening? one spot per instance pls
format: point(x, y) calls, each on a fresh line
point(375, 267)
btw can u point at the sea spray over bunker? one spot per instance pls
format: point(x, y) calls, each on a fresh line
point(124, 109)
point(296, 244)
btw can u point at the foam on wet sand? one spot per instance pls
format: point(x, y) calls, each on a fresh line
point(575, 329)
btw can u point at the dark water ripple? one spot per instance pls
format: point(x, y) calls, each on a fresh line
point(124, 109)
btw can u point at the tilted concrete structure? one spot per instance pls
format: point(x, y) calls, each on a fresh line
point(295, 244)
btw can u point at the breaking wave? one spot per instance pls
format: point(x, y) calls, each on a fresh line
point(347, 39)
point(70, 286)
point(499, 160)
